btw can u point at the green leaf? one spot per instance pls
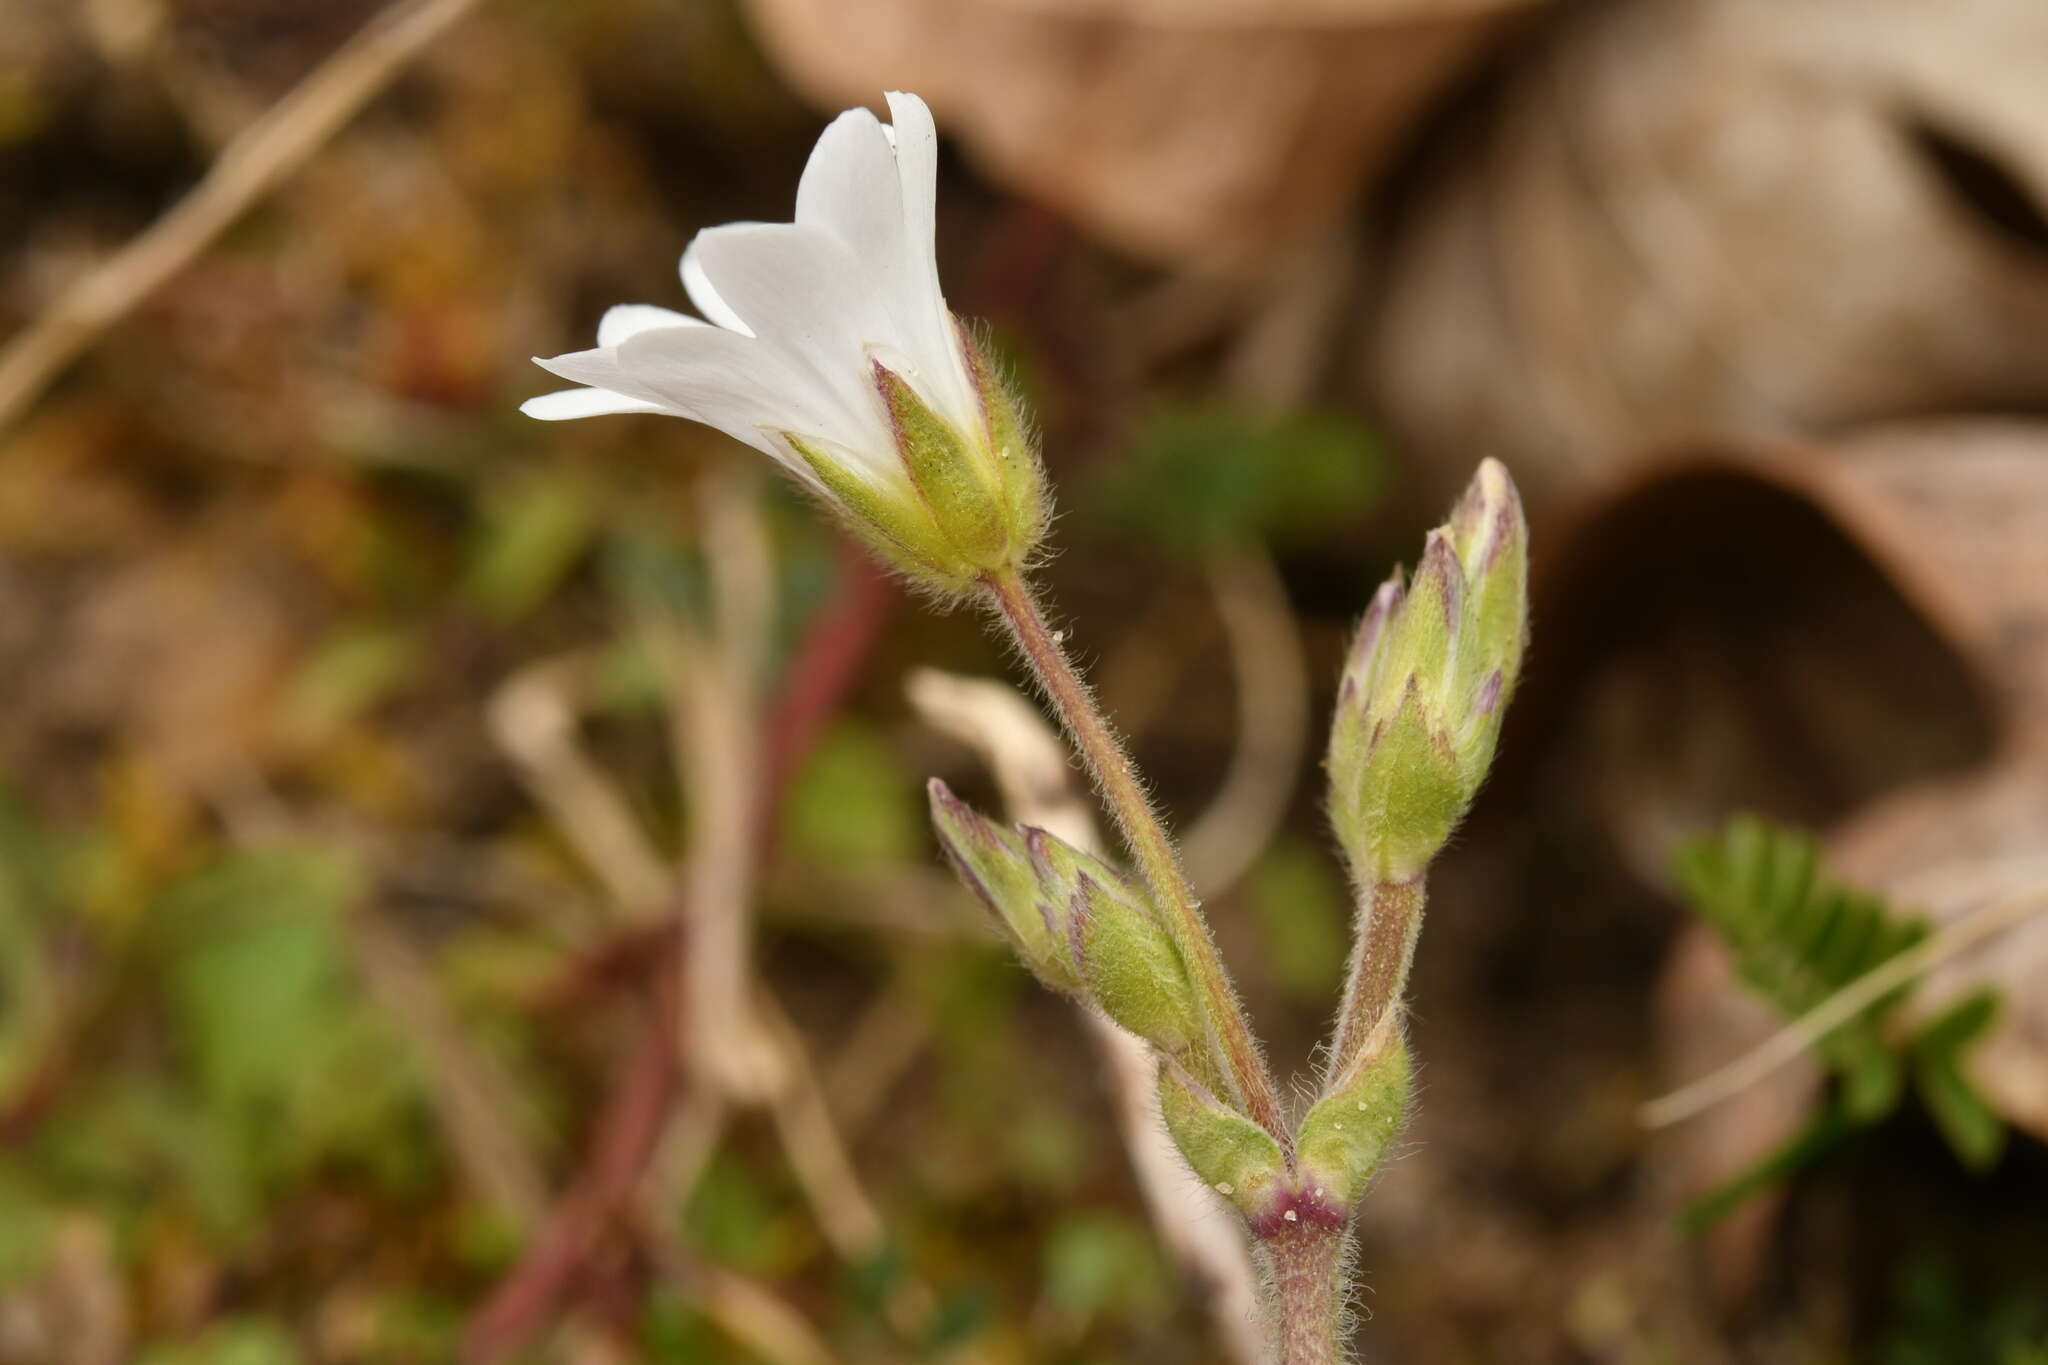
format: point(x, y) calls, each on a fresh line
point(1974, 1130)
point(1233, 1155)
point(238, 1341)
point(1828, 1131)
point(289, 1065)
point(1200, 475)
point(1345, 1137)
point(854, 800)
point(534, 532)
point(1299, 905)
point(1099, 1265)
point(348, 673)
point(1798, 937)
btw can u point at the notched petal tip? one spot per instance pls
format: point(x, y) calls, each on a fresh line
point(697, 283)
point(909, 114)
point(625, 320)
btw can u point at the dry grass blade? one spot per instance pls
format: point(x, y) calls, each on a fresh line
point(253, 164)
point(1796, 1038)
point(478, 1105)
point(1271, 677)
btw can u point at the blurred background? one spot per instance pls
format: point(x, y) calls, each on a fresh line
point(373, 761)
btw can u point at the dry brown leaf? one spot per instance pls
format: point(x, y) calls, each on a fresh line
point(1852, 636)
point(1728, 215)
point(1197, 133)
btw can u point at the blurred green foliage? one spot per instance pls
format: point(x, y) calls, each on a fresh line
point(853, 801)
point(1303, 914)
point(1940, 1318)
point(1197, 476)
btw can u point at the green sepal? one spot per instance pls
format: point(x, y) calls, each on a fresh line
point(1343, 1140)
point(959, 484)
point(1398, 793)
point(1416, 644)
point(1133, 971)
point(893, 523)
point(1491, 537)
point(1010, 442)
point(1233, 1155)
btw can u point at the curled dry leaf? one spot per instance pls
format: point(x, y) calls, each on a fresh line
point(1852, 637)
point(1949, 514)
point(1690, 215)
point(1194, 132)
point(1955, 511)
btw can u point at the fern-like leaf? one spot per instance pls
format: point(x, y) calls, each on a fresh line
point(1797, 937)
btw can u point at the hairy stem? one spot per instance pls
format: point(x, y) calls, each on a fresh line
point(1381, 953)
point(1150, 846)
point(1304, 1264)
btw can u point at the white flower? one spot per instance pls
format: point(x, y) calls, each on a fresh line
point(830, 348)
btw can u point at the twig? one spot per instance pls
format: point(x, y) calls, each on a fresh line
point(261, 156)
point(757, 1319)
point(1038, 788)
point(1272, 719)
point(829, 653)
point(1845, 1004)
point(479, 1109)
point(715, 675)
point(878, 1050)
point(623, 1139)
point(816, 1152)
point(534, 717)
point(645, 1146)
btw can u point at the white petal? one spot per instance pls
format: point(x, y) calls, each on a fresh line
point(705, 294)
point(734, 383)
point(916, 140)
point(811, 302)
point(929, 321)
point(850, 189)
point(629, 319)
point(854, 188)
point(570, 403)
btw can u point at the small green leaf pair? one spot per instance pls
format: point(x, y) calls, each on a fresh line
point(1338, 1147)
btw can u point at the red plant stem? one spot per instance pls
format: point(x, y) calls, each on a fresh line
point(624, 1139)
point(1150, 846)
point(1305, 1265)
point(827, 658)
point(826, 661)
point(1382, 951)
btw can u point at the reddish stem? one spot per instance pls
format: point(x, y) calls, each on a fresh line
point(826, 661)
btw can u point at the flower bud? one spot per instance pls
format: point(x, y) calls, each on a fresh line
point(1083, 927)
point(1426, 685)
point(1345, 1137)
